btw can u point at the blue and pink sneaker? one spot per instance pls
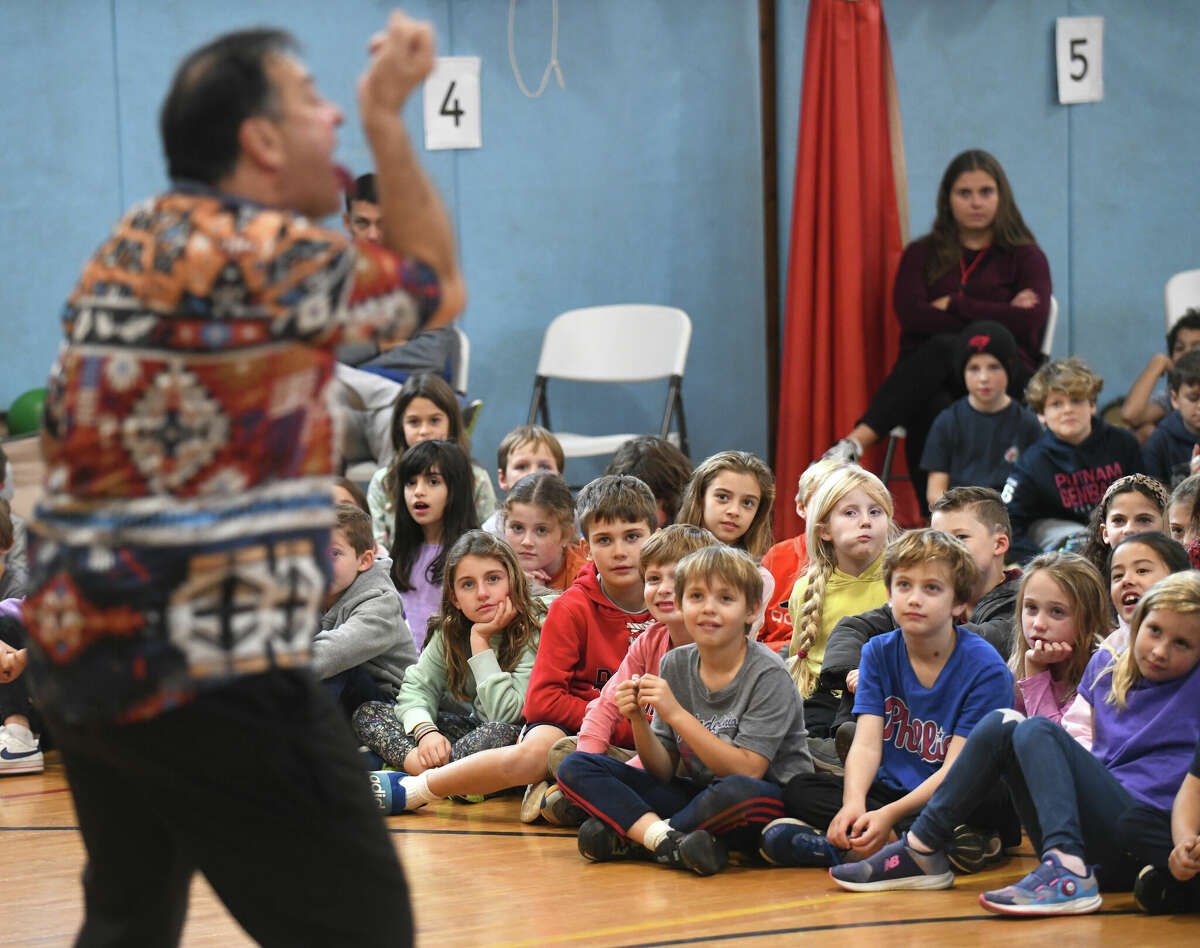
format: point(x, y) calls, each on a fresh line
point(1050, 889)
point(896, 866)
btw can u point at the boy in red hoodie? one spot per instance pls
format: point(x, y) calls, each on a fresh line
point(587, 632)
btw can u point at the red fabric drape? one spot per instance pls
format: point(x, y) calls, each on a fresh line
point(840, 334)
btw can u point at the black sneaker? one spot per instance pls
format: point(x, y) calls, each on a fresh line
point(699, 851)
point(1157, 892)
point(973, 850)
point(600, 843)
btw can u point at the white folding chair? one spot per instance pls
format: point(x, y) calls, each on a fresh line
point(1181, 293)
point(634, 342)
point(461, 367)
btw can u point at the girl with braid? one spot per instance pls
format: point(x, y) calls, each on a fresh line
point(850, 522)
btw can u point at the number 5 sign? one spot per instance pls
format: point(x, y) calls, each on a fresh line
point(1079, 45)
point(452, 104)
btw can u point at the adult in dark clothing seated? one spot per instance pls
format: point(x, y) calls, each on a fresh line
point(980, 261)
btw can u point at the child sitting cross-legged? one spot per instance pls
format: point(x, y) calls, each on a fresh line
point(1172, 453)
point(527, 449)
point(921, 690)
point(1063, 475)
point(724, 707)
point(466, 692)
point(586, 633)
point(660, 554)
point(364, 645)
point(1070, 801)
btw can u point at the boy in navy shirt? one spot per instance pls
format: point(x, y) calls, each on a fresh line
point(1173, 451)
point(1064, 474)
point(976, 441)
point(921, 689)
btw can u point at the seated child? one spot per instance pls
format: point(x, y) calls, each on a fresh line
point(1138, 562)
point(1170, 846)
point(1070, 801)
point(976, 441)
point(538, 522)
point(732, 494)
point(786, 560)
point(1142, 409)
point(659, 555)
point(467, 691)
point(346, 491)
point(527, 449)
point(1064, 613)
point(658, 464)
point(20, 723)
point(1062, 476)
point(426, 410)
point(725, 710)
point(1179, 508)
point(14, 581)
point(364, 645)
point(921, 691)
point(977, 517)
point(850, 523)
point(587, 632)
point(1135, 503)
point(1173, 451)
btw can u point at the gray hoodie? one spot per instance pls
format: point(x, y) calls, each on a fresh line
point(366, 625)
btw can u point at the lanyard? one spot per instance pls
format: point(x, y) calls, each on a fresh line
point(966, 271)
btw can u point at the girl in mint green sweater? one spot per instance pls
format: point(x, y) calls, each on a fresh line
point(478, 660)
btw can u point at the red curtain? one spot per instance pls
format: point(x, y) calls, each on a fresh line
point(849, 216)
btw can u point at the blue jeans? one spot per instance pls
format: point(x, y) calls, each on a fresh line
point(620, 795)
point(1067, 799)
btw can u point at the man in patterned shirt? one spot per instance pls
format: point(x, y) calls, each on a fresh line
point(179, 556)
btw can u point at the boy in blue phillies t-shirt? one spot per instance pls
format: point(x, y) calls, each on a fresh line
point(921, 689)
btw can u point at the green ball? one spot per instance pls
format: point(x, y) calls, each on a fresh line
point(25, 414)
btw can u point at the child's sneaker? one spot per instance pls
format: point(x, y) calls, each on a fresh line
point(531, 803)
point(973, 850)
point(699, 851)
point(19, 754)
point(791, 842)
point(558, 810)
point(1157, 892)
point(397, 792)
point(601, 843)
point(896, 866)
point(1050, 889)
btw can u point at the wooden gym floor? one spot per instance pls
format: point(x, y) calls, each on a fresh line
point(479, 877)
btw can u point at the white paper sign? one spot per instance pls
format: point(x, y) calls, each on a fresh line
point(1079, 47)
point(452, 104)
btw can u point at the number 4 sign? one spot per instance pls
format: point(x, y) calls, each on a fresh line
point(1079, 45)
point(452, 104)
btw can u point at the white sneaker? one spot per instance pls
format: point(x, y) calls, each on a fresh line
point(18, 755)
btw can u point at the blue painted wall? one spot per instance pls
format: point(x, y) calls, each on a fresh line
point(1110, 189)
point(641, 179)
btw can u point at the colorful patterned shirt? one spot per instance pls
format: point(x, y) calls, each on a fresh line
point(182, 538)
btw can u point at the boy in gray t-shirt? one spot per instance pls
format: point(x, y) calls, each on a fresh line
point(723, 705)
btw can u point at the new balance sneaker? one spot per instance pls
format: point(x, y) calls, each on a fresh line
point(1051, 889)
point(844, 450)
point(896, 866)
point(18, 754)
point(699, 851)
point(791, 842)
point(600, 843)
point(1157, 892)
point(973, 850)
point(558, 810)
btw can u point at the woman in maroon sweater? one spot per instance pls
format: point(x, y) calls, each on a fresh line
point(980, 262)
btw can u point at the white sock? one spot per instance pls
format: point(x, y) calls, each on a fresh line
point(21, 731)
point(416, 790)
point(655, 833)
